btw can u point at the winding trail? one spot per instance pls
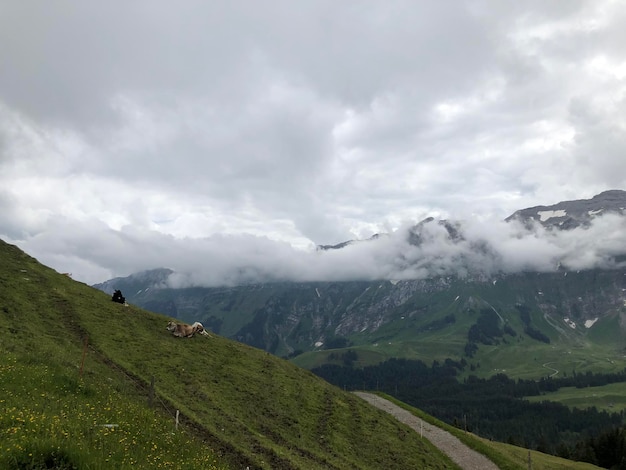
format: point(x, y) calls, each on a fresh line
point(462, 455)
point(547, 366)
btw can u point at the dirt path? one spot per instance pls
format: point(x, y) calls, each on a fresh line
point(547, 366)
point(462, 455)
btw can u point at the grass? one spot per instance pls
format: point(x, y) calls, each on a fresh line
point(610, 398)
point(54, 416)
point(523, 359)
point(54, 419)
point(65, 406)
point(538, 461)
point(520, 358)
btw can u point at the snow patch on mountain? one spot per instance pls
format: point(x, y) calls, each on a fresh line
point(570, 323)
point(546, 215)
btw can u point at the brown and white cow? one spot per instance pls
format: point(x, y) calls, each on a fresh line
point(181, 330)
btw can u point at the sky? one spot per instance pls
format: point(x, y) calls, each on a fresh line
point(227, 139)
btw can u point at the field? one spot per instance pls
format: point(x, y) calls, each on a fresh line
point(610, 398)
point(53, 418)
point(522, 358)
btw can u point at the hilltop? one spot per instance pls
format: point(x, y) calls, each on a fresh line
point(239, 406)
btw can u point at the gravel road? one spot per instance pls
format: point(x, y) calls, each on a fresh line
point(462, 455)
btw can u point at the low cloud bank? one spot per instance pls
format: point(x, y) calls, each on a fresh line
point(411, 252)
point(95, 253)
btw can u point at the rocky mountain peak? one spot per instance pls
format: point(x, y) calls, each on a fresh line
point(571, 214)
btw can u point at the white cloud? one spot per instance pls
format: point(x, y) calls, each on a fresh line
point(299, 123)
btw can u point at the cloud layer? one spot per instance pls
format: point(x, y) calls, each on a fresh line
point(133, 132)
point(478, 249)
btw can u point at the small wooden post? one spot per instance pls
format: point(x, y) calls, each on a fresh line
point(177, 414)
point(530, 464)
point(82, 362)
point(151, 393)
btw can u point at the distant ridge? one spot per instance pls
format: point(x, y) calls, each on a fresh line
point(571, 214)
point(563, 215)
point(139, 281)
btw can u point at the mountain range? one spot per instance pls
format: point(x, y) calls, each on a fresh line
point(541, 296)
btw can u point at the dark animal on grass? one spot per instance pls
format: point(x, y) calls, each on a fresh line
point(118, 297)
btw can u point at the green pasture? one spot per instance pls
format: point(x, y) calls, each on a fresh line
point(520, 357)
point(610, 398)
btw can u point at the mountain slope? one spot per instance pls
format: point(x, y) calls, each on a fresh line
point(250, 407)
point(573, 317)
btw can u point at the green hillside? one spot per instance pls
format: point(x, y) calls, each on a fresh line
point(75, 392)
point(436, 325)
point(528, 325)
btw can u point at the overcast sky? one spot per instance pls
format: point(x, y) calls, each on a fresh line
point(221, 137)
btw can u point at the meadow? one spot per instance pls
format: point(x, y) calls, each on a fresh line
point(53, 418)
point(610, 398)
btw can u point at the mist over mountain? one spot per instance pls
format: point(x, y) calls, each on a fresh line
point(550, 283)
point(570, 235)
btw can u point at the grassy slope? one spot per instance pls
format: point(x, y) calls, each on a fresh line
point(415, 329)
point(610, 398)
point(239, 405)
point(505, 456)
point(50, 416)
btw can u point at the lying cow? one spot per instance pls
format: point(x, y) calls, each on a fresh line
point(186, 331)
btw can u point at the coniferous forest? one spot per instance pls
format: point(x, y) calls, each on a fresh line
point(494, 408)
